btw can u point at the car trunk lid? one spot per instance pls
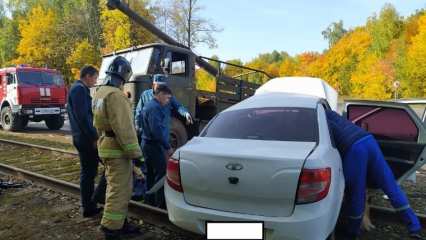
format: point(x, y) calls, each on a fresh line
point(243, 176)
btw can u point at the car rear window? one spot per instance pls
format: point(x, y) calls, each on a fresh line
point(273, 124)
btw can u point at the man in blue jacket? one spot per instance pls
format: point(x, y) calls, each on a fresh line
point(139, 188)
point(364, 165)
point(173, 105)
point(84, 135)
point(155, 142)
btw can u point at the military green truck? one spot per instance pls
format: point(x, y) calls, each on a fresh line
point(180, 64)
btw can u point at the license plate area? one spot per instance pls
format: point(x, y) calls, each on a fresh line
point(47, 111)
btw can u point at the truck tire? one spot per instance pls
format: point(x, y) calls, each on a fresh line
point(24, 122)
point(54, 122)
point(9, 121)
point(178, 134)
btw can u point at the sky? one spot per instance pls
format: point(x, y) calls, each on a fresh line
point(251, 27)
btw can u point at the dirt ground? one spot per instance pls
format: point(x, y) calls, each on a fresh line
point(37, 213)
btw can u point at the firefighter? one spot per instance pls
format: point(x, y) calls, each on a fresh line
point(84, 135)
point(118, 146)
point(155, 141)
point(364, 165)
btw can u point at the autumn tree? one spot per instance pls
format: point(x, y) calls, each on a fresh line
point(83, 54)
point(334, 33)
point(384, 29)
point(415, 63)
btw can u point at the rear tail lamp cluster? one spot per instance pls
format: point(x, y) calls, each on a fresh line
point(173, 175)
point(313, 185)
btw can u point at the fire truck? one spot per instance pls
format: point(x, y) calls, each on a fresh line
point(31, 94)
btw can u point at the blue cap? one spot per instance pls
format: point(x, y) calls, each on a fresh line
point(160, 79)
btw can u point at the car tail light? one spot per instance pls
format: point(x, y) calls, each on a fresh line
point(313, 185)
point(173, 175)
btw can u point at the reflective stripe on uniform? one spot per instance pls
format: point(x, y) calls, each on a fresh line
point(130, 147)
point(355, 217)
point(110, 153)
point(402, 208)
point(114, 216)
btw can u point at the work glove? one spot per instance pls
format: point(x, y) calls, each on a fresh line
point(138, 162)
point(188, 119)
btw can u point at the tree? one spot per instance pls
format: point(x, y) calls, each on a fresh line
point(39, 44)
point(334, 33)
point(84, 53)
point(384, 29)
point(181, 19)
point(414, 65)
point(372, 79)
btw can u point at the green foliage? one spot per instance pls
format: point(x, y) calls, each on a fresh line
point(334, 32)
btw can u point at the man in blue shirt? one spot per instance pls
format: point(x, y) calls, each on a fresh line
point(155, 141)
point(173, 105)
point(364, 165)
point(84, 135)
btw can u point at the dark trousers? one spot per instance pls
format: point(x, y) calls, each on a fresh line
point(155, 161)
point(89, 161)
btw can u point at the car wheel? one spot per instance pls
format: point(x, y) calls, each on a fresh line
point(178, 134)
point(9, 121)
point(55, 122)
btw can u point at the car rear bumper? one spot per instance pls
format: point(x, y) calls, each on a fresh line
point(309, 221)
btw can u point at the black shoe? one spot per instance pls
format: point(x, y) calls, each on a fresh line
point(92, 212)
point(130, 229)
point(111, 234)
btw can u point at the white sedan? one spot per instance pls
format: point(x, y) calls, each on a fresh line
point(269, 158)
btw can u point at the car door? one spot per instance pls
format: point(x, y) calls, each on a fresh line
point(398, 130)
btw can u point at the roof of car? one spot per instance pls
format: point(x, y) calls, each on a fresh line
point(277, 100)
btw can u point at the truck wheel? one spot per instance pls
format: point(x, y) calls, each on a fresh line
point(178, 134)
point(9, 121)
point(24, 122)
point(54, 123)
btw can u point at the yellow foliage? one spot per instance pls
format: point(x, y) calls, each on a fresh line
point(415, 66)
point(83, 54)
point(116, 29)
point(372, 79)
point(205, 81)
point(287, 68)
point(38, 45)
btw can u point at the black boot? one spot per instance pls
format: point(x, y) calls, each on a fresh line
point(111, 234)
point(92, 212)
point(130, 229)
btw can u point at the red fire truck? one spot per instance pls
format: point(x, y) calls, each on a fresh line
point(31, 94)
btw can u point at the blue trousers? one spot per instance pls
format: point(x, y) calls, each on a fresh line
point(364, 164)
point(155, 162)
point(89, 161)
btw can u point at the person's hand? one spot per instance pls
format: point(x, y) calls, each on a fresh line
point(188, 119)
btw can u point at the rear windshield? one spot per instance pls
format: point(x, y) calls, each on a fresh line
point(40, 78)
point(274, 124)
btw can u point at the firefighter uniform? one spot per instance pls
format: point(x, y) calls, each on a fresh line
point(118, 145)
point(364, 165)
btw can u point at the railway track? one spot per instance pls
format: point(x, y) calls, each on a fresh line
point(60, 171)
point(65, 180)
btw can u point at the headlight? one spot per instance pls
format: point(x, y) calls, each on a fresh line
point(28, 111)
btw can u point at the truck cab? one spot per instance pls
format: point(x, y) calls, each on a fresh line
point(180, 66)
point(31, 94)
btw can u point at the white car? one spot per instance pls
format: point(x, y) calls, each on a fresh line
point(269, 158)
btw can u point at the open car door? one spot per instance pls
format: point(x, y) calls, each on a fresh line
point(397, 128)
